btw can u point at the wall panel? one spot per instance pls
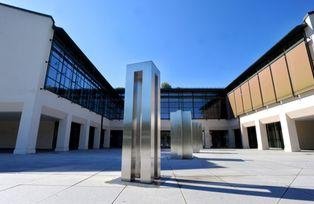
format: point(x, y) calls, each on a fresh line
point(238, 101)
point(267, 87)
point(255, 92)
point(281, 78)
point(246, 96)
point(232, 103)
point(300, 69)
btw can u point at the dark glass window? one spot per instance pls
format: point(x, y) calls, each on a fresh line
point(67, 78)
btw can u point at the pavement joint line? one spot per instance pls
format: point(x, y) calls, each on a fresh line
point(174, 175)
point(288, 187)
point(10, 187)
point(119, 194)
point(70, 186)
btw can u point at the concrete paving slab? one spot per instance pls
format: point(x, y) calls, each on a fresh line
point(82, 194)
point(28, 193)
point(212, 176)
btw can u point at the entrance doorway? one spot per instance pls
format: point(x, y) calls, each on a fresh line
point(219, 138)
point(274, 135)
point(251, 132)
point(165, 139)
point(91, 137)
point(74, 136)
point(116, 138)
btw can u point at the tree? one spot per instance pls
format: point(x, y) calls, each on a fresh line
point(165, 85)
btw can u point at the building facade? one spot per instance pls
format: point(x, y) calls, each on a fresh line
point(273, 98)
point(54, 98)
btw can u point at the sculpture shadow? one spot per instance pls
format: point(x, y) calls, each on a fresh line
point(292, 193)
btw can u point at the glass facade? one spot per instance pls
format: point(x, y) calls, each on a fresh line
point(68, 78)
point(203, 103)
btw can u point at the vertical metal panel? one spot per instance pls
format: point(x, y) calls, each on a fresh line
point(267, 87)
point(197, 136)
point(246, 96)
point(281, 79)
point(238, 101)
point(255, 92)
point(232, 103)
point(300, 69)
point(176, 133)
point(181, 134)
point(141, 142)
point(187, 134)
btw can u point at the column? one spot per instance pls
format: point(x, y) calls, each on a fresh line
point(64, 131)
point(289, 133)
point(84, 135)
point(244, 137)
point(28, 129)
point(261, 135)
point(231, 140)
point(141, 129)
point(97, 138)
point(107, 138)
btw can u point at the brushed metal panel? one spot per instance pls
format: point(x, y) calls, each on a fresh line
point(246, 96)
point(267, 87)
point(141, 135)
point(181, 134)
point(187, 135)
point(197, 136)
point(255, 92)
point(281, 78)
point(300, 69)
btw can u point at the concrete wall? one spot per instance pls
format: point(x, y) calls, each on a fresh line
point(305, 131)
point(45, 134)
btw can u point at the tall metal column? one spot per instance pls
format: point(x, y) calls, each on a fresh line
point(141, 133)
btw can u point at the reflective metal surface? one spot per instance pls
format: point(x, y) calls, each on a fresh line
point(197, 136)
point(181, 134)
point(141, 133)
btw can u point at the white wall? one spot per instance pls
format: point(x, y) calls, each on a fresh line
point(25, 47)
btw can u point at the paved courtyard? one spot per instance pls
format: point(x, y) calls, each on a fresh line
point(213, 176)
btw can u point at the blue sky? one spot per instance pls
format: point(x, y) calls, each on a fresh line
point(194, 43)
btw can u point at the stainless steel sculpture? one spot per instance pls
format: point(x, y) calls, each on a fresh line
point(197, 136)
point(141, 133)
point(181, 134)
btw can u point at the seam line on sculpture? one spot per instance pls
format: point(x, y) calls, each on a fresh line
point(119, 194)
point(288, 187)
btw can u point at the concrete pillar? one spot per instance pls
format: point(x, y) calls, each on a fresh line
point(84, 135)
point(244, 137)
point(231, 139)
point(28, 129)
point(261, 135)
point(208, 139)
point(289, 133)
point(107, 138)
point(64, 131)
point(97, 138)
